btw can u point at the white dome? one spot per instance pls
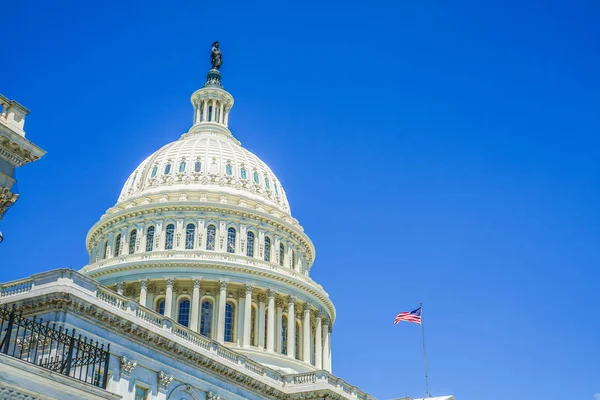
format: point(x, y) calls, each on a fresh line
point(206, 162)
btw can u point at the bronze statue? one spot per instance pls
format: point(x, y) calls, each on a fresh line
point(215, 56)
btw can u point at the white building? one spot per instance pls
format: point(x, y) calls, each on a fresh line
point(15, 150)
point(199, 280)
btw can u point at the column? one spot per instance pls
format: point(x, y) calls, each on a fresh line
point(143, 291)
point(169, 297)
point(221, 312)
point(204, 110)
point(278, 330)
point(291, 328)
point(227, 116)
point(239, 315)
point(262, 300)
point(306, 335)
point(195, 304)
point(221, 116)
point(318, 341)
point(271, 321)
point(197, 114)
point(247, 315)
point(326, 344)
point(120, 287)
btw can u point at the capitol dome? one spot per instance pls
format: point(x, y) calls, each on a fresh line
point(203, 238)
point(210, 164)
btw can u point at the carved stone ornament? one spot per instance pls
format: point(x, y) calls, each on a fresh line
point(223, 285)
point(164, 380)
point(262, 298)
point(170, 281)
point(127, 366)
point(291, 299)
point(248, 289)
point(151, 288)
point(279, 303)
point(196, 282)
point(7, 199)
point(144, 283)
point(307, 307)
point(212, 396)
point(271, 293)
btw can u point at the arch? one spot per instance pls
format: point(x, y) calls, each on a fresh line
point(150, 238)
point(284, 334)
point(229, 321)
point(184, 392)
point(132, 239)
point(169, 233)
point(206, 317)
point(183, 311)
point(267, 248)
point(190, 236)
point(211, 233)
point(250, 244)
point(231, 233)
point(281, 254)
point(118, 245)
point(159, 305)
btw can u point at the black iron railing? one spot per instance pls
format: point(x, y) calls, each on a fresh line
point(60, 350)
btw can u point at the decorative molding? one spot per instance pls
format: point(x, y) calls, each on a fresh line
point(271, 293)
point(291, 299)
point(223, 285)
point(152, 288)
point(307, 307)
point(279, 303)
point(144, 283)
point(196, 282)
point(262, 298)
point(170, 282)
point(127, 366)
point(164, 380)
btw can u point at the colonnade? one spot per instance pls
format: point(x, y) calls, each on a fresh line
point(211, 110)
point(245, 316)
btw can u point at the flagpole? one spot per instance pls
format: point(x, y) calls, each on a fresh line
point(427, 393)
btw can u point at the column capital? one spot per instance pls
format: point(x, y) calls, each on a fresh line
point(318, 314)
point(271, 293)
point(291, 299)
point(196, 282)
point(326, 321)
point(144, 283)
point(248, 288)
point(120, 285)
point(223, 285)
point(307, 307)
point(170, 282)
point(262, 298)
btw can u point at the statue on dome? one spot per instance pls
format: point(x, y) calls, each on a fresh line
point(215, 56)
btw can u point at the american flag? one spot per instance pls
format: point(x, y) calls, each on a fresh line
point(413, 316)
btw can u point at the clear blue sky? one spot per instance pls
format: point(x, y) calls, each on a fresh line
point(435, 151)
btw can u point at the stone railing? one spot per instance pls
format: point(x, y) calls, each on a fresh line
point(17, 287)
point(200, 255)
point(141, 315)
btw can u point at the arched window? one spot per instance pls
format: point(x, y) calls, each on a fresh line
point(228, 170)
point(297, 340)
point(183, 317)
point(276, 191)
point(182, 167)
point(210, 110)
point(281, 254)
point(132, 239)
point(256, 180)
point(118, 245)
point(243, 173)
point(284, 334)
point(250, 245)
point(160, 306)
point(266, 326)
point(231, 240)
point(149, 238)
point(206, 315)
point(154, 171)
point(106, 249)
point(211, 232)
point(190, 235)
point(167, 168)
point(229, 318)
point(267, 248)
point(169, 237)
point(197, 166)
point(267, 183)
point(253, 327)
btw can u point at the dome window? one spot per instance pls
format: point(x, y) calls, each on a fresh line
point(197, 166)
point(228, 169)
point(182, 167)
point(169, 237)
point(229, 320)
point(231, 240)
point(154, 171)
point(183, 316)
point(276, 191)
point(190, 234)
point(256, 180)
point(267, 248)
point(211, 232)
point(250, 248)
point(167, 168)
point(118, 245)
point(206, 318)
point(160, 307)
point(243, 173)
point(281, 254)
point(132, 240)
point(149, 238)
point(267, 183)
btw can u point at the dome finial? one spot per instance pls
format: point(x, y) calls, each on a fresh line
point(214, 76)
